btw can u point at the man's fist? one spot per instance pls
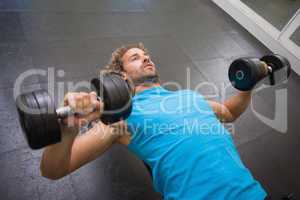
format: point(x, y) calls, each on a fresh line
point(86, 107)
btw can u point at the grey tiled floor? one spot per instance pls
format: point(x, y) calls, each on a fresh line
point(191, 37)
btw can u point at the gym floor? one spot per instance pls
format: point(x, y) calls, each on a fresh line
point(192, 37)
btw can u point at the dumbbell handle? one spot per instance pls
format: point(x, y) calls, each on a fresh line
point(65, 111)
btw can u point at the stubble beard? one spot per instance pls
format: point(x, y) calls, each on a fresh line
point(146, 79)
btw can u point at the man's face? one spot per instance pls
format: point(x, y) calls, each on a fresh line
point(139, 67)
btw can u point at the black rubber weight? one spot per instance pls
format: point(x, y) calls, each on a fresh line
point(21, 103)
point(119, 84)
point(39, 99)
point(244, 65)
point(111, 100)
point(122, 88)
point(33, 132)
point(277, 62)
point(40, 127)
point(53, 126)
point(116, 96)
point(50, 130)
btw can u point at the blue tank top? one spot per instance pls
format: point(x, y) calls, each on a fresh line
point(191, 154)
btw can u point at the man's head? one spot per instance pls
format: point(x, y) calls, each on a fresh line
point(134, 61)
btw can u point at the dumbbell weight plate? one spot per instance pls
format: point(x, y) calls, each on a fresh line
point(123, 104)
point(244, 73)
point(280, 66)
point(39, 126)
point(49, 120)
point(26, 117)
point(116, 95)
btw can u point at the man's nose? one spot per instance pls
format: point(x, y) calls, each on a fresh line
point(146, 59)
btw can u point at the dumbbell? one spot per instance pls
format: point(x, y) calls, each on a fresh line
point(39, 119)
point(245, 72)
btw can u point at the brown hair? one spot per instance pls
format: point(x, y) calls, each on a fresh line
point(116, 64)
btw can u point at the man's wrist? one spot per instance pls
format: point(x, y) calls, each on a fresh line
point(245, 93)
point(69, 130)
point(103, 131)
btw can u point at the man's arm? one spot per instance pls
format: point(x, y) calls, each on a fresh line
point(73, 151)
point(232, 108)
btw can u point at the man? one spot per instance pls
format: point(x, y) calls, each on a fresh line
point(177, 133)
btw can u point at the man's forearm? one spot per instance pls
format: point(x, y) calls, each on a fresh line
point(56, 157)
point(72, 152)
point(237, 104)
point(91, 145)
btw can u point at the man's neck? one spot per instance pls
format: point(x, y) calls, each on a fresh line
point(143, 87)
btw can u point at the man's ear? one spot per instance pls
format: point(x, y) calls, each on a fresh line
point(124, 75)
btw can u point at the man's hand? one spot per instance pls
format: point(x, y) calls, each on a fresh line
point(86, 106)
